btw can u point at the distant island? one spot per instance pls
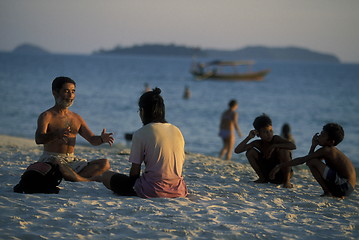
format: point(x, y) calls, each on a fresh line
point(247, 53)
point(155, 49)
point(30, 49)
point(254, 53)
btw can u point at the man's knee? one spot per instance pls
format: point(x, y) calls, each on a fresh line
point(106, 164)
point(100, 164)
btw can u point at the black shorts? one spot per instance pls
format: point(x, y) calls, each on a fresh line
point(123, 185)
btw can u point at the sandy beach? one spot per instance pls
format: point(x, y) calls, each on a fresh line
point(223, 203)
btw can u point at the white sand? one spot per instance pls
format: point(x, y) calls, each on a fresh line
point(223, 204)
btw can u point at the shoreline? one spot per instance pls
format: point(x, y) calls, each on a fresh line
point(223, 203)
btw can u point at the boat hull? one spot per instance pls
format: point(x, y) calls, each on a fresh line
point(250, 76)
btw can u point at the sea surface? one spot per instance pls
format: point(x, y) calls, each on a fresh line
point(305, 95)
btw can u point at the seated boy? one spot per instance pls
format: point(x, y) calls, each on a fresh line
point(266, 153)
point(337, 175)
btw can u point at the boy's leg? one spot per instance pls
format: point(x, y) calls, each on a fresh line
point(253, 159)
point(95, 168)
point(317, 168)
point(285, 156)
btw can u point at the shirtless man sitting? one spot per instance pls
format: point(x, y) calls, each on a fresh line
point(57, 128)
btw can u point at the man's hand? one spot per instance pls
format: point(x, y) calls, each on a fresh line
point(107, 137)
point(64, 134)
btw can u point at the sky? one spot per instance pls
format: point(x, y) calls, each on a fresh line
point(83, 26)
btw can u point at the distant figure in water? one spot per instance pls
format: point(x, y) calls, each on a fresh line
point(227, 128)
point(160, 146)
point(286, 133)
point(336, 175)
point(147, 88)
point(187, 93)
point(267, 152)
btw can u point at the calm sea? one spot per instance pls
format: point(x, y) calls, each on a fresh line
point(305, 95)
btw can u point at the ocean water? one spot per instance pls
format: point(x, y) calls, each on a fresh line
point(305, 95)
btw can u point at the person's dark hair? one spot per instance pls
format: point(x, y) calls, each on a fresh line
point(232, 103)
point(60, 81)
point(335, 132)
point(153, 107)
point(262, 121)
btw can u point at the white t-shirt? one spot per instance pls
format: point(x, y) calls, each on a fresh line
point(161, 147)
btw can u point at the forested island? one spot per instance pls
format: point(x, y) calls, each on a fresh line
point(30, 49)
point(255, 52)
point(247, 53)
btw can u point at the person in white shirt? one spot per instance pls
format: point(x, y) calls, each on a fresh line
point(160, 146)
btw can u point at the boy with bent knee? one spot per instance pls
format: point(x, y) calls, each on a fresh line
point(337, 175)
point(264, 154)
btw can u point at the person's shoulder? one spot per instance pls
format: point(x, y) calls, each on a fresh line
point(326, 151)
point(48, 113)
point(278, 138)
point(76, 115)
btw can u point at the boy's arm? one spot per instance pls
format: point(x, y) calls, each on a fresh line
point(319, 154)
point(244, 146)
point(282, 143)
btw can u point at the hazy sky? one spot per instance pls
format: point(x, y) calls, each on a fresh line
point(82, 26)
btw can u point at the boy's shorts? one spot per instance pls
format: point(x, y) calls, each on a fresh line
point(338, 186)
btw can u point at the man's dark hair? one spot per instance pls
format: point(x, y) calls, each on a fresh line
point(60, 81)
point(335, 132)
point(262, 121)
point(153, 107)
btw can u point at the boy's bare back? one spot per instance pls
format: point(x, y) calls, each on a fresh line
point(338, 161)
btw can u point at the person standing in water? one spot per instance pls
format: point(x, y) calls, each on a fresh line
point(286, 133)
point(227, 128)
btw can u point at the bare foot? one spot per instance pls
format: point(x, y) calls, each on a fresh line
point(288, 185)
